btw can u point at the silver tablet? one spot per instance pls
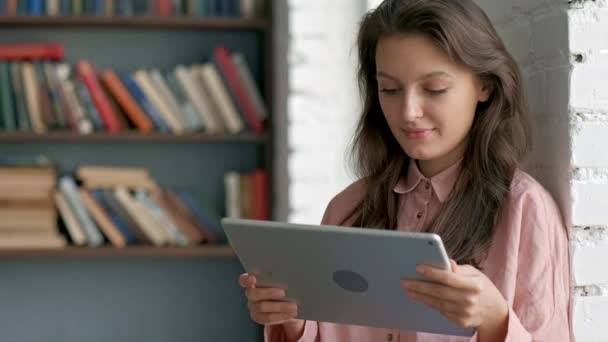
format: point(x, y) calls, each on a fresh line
point(343, 275)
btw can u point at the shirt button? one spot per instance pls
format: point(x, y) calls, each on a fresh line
point(389, 337)
point(419, 214)
point(427, 186)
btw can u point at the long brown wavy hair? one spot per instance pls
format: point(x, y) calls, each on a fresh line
point(498, 141)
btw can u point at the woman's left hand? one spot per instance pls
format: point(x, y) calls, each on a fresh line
point(464, 295)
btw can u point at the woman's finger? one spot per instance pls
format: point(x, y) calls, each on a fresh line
point(446, 277)
point(261, 294)
point(269, 307)
point(443, 306)
point(247, 280)
point(273, 318)
point(436, 290)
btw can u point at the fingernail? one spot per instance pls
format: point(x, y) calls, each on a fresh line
point(420, 269)
point(407, 284)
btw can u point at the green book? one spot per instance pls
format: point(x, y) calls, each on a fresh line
point(23, 116)
point(77, 7)
point(8, 105)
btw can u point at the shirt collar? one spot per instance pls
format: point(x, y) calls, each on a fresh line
point(442, 182)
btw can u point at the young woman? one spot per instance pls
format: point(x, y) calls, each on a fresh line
point(438, 148)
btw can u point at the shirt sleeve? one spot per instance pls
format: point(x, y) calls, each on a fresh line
point(276, 333)
point(540, 307)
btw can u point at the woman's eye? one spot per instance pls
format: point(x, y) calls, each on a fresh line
point(436, 91)
point(389, 91)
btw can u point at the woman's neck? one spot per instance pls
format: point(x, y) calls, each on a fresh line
point(431, 168)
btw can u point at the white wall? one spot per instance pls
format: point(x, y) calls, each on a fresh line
point(322, 102)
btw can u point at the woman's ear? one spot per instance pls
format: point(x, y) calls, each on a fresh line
point(485, 91)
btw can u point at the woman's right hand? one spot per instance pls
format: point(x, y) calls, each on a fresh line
point(268, 306)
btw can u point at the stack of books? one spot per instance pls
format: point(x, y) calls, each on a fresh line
point(125, 206)
point(27, 211)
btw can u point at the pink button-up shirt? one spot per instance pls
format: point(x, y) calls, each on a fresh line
point(528, 260)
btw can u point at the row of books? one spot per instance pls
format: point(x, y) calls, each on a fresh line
point(161, 8)
point(116, 206)
point(216, 97)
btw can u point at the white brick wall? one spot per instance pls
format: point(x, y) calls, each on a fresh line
point(568, 97)
point(322, 102)
point(588, 38)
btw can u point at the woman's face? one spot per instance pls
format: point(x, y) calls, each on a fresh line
point(428, 101)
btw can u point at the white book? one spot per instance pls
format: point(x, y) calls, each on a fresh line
point(190, 114)
point(168, 98)
point(71, 223)
point(247, 8)
point(141, 216)
point(212, 125)
point(32, 96)
point(72, 197)
point(232, 184)
point(52, 7)
point(252, 89)
point(219, 94)
point(175, 235)
point(147, 86)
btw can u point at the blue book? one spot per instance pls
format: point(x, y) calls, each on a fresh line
point(98, 7)
point(124, 8)
point(35, 7)
point(65, 7)
point(204, 216)
point(114, 216)
point(145, 104)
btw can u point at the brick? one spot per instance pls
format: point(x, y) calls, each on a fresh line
point(588, 319)
point(589, 244)
point(589, 203)
point(589, 142)
point(588, 29)
point(588, 86)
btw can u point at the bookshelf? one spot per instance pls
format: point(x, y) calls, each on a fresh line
point(139, 293)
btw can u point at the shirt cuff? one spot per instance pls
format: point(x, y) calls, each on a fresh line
point(275, 333)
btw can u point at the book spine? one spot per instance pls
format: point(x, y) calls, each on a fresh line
point(88, 76)
point(69, 189)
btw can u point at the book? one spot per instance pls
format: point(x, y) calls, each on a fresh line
point(70, 192)
point(87, 73)
point(31, 51)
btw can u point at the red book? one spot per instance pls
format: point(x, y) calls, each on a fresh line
point(11, 7)
point(259, 205)
point(163, 8)
point(86, 72)
point(237, 88)
point(31, 51)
